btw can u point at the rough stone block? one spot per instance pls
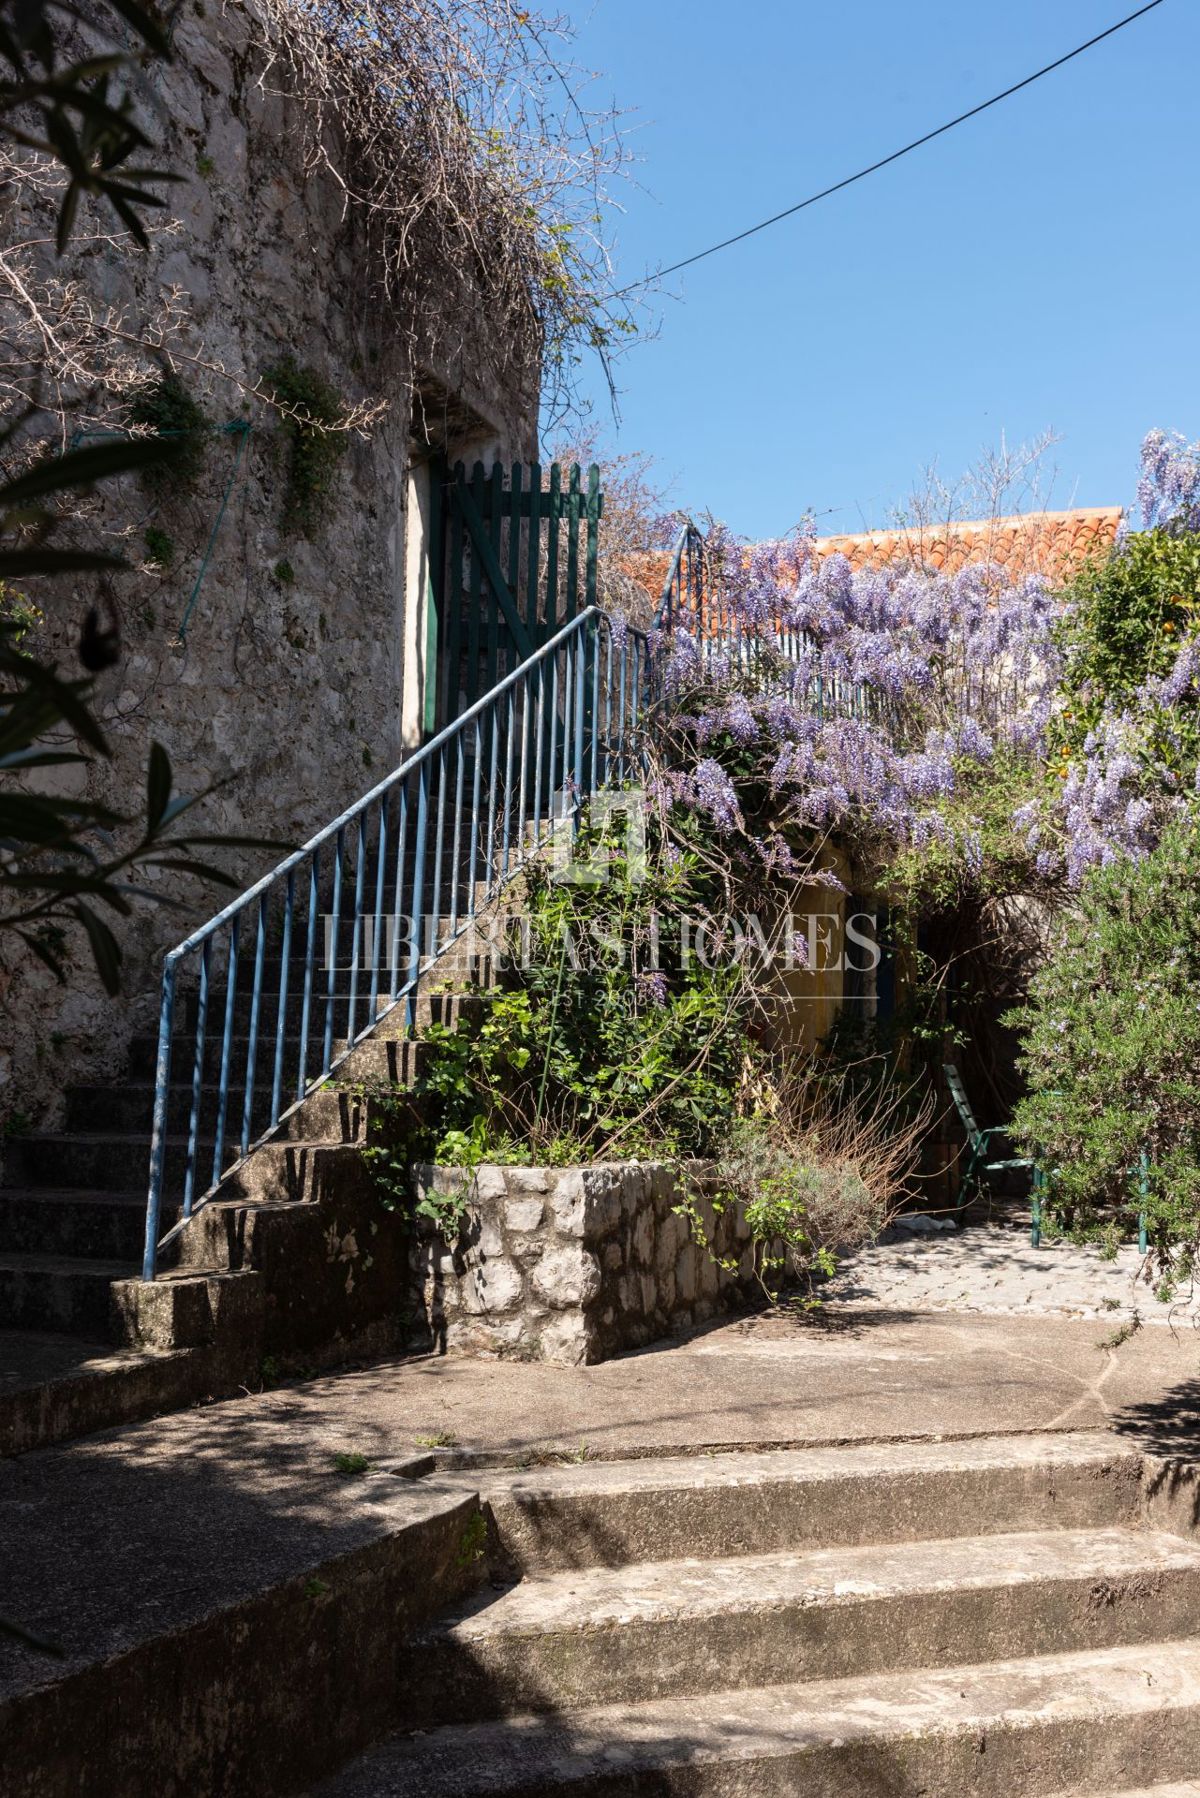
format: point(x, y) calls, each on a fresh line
point(568, 1204)
point(567, 1276)
point(494, 1287)
point(491, 1239)
point(643, 1239)
point(603, 1202)
point(566, 1339)
point(629, 1295)
point(529, 1179)
point(523, 1215)
point(489, 1184)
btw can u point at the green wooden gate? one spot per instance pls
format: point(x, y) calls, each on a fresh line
point(513, 559)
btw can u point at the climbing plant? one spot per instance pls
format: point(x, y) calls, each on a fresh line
point(310, 425)
point(462, 139)
point(166, 409)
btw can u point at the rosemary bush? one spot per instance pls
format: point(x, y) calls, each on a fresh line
point(1111, 1053)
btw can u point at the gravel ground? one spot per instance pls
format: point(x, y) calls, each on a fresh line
point(994, 1268)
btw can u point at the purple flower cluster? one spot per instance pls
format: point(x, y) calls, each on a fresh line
point(709, 789)
point(859, 694)
point(652, 987)
point(865, 700)
point(1169, 487)
point(1105, 812)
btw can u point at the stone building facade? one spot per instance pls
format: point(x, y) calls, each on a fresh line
point(301, 675)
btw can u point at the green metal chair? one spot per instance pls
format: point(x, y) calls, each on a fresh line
point(979, 1160)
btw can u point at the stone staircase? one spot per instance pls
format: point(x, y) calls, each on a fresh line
point(73, 1204)
point(1017, 1616)
point(1005, 1617)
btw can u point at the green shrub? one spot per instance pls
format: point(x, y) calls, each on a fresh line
point(584, 1050)
point(1123, 624)
point(168, 409)
point(1111, 1052)
point(160, 547)
point(314, 449)
point(817, 1174)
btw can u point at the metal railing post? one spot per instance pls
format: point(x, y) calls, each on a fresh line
point(158, 1134)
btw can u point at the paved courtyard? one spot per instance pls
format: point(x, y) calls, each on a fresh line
point(994, 1267)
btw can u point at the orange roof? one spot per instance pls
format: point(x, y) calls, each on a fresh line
point(1054, 544)
point(649, 568)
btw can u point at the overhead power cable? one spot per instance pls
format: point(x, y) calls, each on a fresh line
point(873, 168)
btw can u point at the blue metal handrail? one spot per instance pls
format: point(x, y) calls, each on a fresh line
point(682, 601)
point(485, 795)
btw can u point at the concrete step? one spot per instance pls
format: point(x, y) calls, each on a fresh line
point(53, 1387)
point(612, 1513)
point(605, 1636)
point(93, 1163)
point(129, 1110)
point(1190, 1788)
point(120, 1164)
point(1018, 1728)
point(293, 1010)
point(60, 1293)
point(192, 1590)
point(103, 1226)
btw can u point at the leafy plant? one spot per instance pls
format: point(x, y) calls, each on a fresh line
point(1124, 622)
point(160, 547)
point(588, 1049)
point(819, 1172)
point(167, 409)
point(81, 114)
point(27, 523)
point(472, 1544)
point(310, 424)
point(1111, 1054)
point(980, 850)
point(600, 1040)
point(60, 866)
point(350, 1465)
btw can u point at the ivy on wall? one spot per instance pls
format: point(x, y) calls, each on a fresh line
point(315, 438)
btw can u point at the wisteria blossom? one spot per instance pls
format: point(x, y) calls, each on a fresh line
point(870, 703)
point(859, 696)
point(873, 702)
point(1169, 488)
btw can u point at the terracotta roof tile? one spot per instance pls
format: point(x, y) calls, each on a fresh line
point(1053, 544)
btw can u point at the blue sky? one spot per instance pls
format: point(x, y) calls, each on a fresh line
point(1038, 267)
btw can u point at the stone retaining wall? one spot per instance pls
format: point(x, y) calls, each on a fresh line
point(573, 1264)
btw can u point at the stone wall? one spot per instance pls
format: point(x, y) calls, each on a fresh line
point(574, 1264)
point(286, 693)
